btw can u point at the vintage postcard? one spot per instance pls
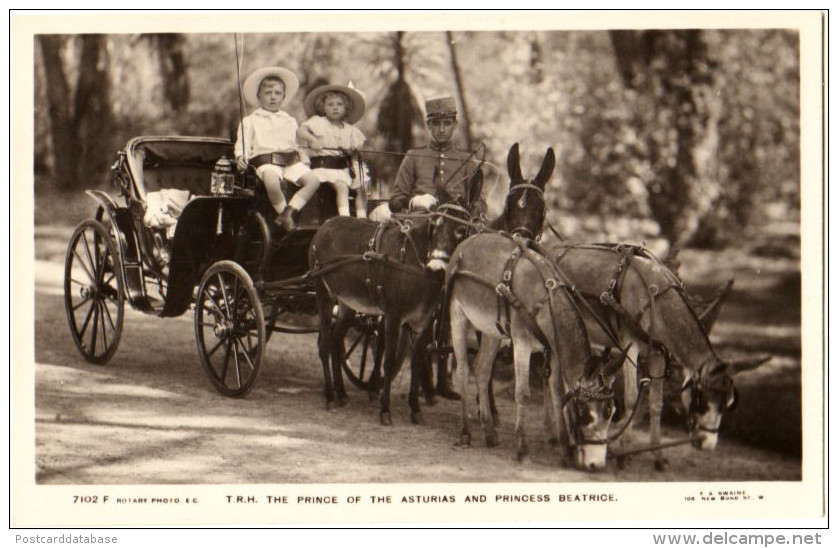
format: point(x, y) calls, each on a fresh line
point(418, 267)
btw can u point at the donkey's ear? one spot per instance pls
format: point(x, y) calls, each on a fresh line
point(475, 188)
point(513, 163)
point(546, 170)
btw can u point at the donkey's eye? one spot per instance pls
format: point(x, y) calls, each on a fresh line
point(461, 232)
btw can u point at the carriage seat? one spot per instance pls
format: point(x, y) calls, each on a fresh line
point(178, 165)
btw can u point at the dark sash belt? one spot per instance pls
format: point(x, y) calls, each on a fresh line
point(328, 162)
point(281, 159)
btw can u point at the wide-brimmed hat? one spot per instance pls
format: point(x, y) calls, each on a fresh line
point(250, 88)
point(441, 107)
point(354, 94)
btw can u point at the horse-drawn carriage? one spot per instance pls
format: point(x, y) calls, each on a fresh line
point(191, 233)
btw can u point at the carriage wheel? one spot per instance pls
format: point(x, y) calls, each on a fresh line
point(364, 345)
point(93, 292)
point(229, 328)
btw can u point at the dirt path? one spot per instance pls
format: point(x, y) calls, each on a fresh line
point(151, 417)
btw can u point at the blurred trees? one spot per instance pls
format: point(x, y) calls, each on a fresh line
point(692, 130)
point(676, 114)
point(80, 108)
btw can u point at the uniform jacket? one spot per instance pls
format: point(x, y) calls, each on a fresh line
point(425, 170)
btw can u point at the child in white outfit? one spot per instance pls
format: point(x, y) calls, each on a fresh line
point(329, 132)
point(267, 140)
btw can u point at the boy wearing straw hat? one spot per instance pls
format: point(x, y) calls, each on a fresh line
point(267, 140)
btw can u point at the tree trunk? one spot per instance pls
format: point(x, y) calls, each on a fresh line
point(93, 120)
point(81, 136)
point(64, 143)
point(455, 68)
point(173, 70)
point(677, 115)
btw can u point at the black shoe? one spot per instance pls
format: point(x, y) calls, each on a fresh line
point(288, 218)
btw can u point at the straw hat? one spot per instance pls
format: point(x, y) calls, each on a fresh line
point(250, 88)
point(354, 94)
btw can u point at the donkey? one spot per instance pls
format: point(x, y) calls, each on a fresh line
point(500, 286)
point(632, 298)
point(523, 214)
point(395, 269)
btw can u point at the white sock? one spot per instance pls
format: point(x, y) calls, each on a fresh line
point(297, 202)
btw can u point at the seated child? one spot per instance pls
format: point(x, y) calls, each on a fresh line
point(332, 110)
point(267, 140)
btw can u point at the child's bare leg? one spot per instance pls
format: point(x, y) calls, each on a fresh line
point(341, 197)
point(272, 180)
point(360, 204)
point(309, 183)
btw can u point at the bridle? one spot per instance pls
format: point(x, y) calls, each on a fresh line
point(575, 398)
point(719, 386)
point(524, 186)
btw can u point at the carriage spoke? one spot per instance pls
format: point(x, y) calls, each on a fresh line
point(364, 356)
point(224, 293)
point(354, 344)
point(102, 257)
point(246, 354)
point(84, 267)
point(86, 321)
point(226, 362)
point(215, 348)
point(84, 301)
point(94, 332)
point(236, 298)
point(90, 260)
point(238, 365)
point(108, 313)
point(104, 330)
point(214, 305)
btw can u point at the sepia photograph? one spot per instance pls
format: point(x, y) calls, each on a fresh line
point(427, 267)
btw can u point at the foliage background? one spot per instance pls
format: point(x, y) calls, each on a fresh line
point(699, 145)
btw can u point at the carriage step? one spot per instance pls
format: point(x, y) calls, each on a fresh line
point(148, 304)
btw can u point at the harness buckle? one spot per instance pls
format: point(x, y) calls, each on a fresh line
point(612, 284)
point(405, 227)
point(507, 275)
point(499, 289)
point(653, 289)
point(550, 284)
point(606, 298)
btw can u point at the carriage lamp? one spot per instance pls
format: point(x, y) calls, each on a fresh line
point(223, 177)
